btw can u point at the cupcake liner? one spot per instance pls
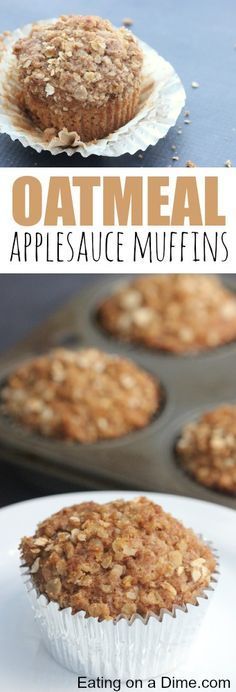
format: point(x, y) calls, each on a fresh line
point(136, 648)
point(161, 101)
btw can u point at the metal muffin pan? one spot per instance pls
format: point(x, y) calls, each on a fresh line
point(144, 460)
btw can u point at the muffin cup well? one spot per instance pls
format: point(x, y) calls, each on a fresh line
point(161, 101)
point(137, 648)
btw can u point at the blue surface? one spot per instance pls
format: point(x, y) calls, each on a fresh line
point(198, 38)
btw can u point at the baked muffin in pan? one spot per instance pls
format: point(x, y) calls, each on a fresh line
point(174, 313)
point(81, 396)
point(207, 448)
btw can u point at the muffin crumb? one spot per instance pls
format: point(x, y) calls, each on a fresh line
point(127, 21)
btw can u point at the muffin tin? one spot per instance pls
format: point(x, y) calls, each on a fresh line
point(144, 460)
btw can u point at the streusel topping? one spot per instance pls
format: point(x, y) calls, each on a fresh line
point(120, 558)
point(82, 395)
point(78, 57)
point(178, 313)
point(207, 448)
point(3, 44)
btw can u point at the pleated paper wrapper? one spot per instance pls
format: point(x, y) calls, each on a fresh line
point(139, 648)
point(162, 99)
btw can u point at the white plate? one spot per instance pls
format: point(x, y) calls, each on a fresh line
point(25, 664)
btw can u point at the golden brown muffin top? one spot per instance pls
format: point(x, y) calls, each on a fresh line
point(177, 313)
point(83, 396)
point(78, 57)
point(207, 448)
point(120, 558)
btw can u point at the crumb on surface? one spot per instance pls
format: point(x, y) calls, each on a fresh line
point(127, 21)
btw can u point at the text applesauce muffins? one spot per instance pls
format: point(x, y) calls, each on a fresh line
point(81, 396)
point(120, 558)
point(175, 313)
point(79, 73)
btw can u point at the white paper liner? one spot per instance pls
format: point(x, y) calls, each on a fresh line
point(119, 649)
point(161, 102)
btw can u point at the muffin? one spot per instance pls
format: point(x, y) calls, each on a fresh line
point(81, 74)
point(124, 563)
point(120, 558)
point(83, 396)
point(175, 313)
point(207, 449)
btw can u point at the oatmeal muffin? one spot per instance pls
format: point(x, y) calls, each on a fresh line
point(120, 558)
point(82, 396)
point(79, 73)
point(175, 313)
point(207, 449)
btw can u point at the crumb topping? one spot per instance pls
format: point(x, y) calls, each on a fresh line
point(82, 395)
point(207, 448)
point(176, 313)
point(78, 58)
point(3, 45)
point(120, 558)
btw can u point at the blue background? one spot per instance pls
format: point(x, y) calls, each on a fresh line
point(198, 38)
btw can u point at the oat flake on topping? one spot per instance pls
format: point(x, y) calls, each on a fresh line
point(176, 313)
point(207, 449)
point(80, 58)
point(81, 396)
point(120, 558)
